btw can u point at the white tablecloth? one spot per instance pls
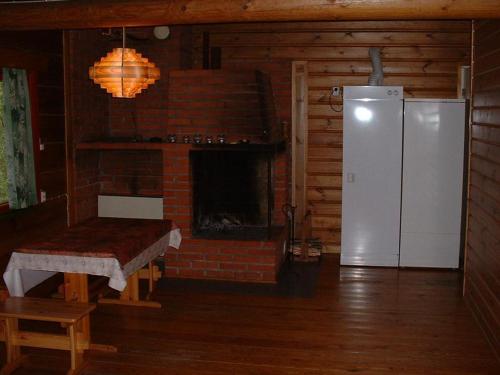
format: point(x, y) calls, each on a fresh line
point(25, 270)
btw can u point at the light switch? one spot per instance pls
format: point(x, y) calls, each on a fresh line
point(350, 177)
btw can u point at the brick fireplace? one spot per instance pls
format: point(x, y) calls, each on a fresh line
point(232, 259)
point(212, 103)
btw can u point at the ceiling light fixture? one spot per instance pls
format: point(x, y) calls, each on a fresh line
point(123, 72)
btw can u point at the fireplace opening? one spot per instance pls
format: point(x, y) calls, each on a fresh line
point(232, 193)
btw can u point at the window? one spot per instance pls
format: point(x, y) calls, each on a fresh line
point(3, 163)
point(17, 140)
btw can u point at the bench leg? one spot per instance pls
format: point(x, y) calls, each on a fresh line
point(77, 362)
point(76, 289)
point(131, 292)
point(13, 351)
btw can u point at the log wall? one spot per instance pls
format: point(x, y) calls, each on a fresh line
point(423, 56)
point(41, 53)
point(482, 269)
point(87, 119)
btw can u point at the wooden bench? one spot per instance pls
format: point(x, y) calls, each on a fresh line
point(70, 314)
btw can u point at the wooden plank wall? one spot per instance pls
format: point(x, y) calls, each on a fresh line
point(423, 56)
point(87, 119)
point(482, 269)
point(40, 52)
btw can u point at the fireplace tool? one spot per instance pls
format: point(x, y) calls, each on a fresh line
point(309, 248)
point(289, 212)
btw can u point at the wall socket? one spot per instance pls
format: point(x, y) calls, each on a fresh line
point(336, 91)
point(43, 196)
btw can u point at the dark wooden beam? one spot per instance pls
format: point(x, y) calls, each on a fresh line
point(18, 58)
point(115, 13)
point(68, 131)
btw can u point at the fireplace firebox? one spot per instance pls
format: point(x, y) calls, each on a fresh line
point(232, 192)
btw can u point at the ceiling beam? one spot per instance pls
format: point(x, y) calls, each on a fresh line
point(79, 14)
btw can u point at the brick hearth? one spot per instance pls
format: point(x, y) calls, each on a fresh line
point(256, 261)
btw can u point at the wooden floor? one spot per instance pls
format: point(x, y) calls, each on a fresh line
point(361, 320)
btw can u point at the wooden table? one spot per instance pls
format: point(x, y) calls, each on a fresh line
point(116, 248)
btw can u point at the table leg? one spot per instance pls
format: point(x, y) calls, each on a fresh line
point(130, 295)
point(131, 292)
point(76, 289)
point(152, 273)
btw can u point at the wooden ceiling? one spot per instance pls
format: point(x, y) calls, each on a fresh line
point(114, 13)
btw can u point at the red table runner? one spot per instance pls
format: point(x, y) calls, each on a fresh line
point(122, 239)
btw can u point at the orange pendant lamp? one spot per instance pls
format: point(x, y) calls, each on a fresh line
point(123, 72)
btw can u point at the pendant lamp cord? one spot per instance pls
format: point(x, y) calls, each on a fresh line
point(123, 52)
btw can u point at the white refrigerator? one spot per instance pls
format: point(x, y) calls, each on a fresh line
point(433, 172)
point(371, 185)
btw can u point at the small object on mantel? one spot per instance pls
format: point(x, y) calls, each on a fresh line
point(244, 141)
point(155, 140)
point(197, 138)
point(265, 135)
point(221, 138)
point(172, 138)
point(209, 139)
point(186, 139)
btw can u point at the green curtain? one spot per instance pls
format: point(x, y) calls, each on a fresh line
point(18, 139)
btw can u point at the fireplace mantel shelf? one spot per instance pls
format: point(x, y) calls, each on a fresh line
point(128, 145)
point(164, 146)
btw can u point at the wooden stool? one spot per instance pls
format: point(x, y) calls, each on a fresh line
point(47, 310)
